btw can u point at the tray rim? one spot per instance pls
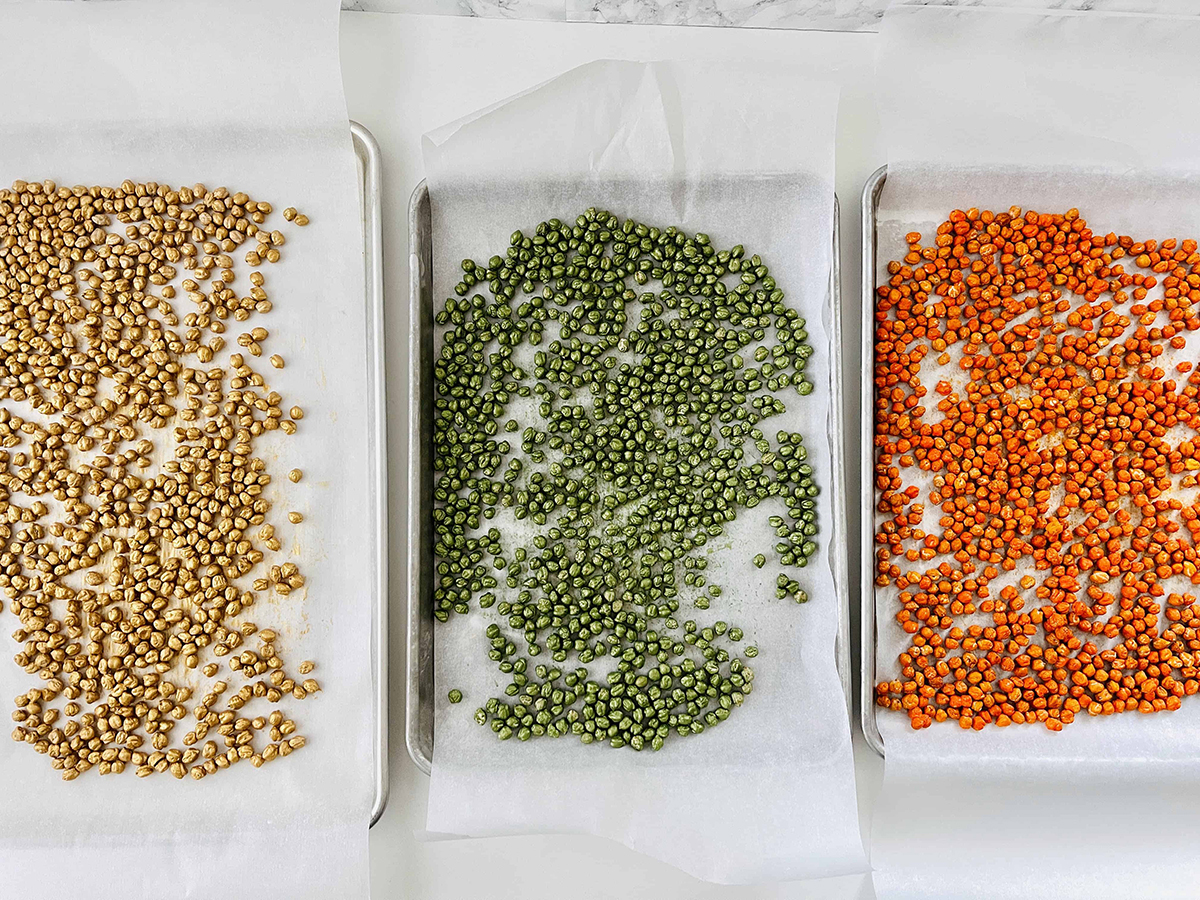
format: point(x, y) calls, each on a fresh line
point(414, 735)
point(869, 635)
point(366, 148)
point(420, 744)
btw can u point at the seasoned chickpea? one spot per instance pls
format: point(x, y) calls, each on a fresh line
point(1034, 590)
point(130, 596)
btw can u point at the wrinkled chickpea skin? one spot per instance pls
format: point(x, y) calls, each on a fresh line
point(1054, 451)
point(131, 492)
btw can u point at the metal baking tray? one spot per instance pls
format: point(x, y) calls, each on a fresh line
point(368, 158)
point(868, 633)
point(419, 701)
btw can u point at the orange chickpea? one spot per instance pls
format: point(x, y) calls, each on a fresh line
point(1052, 456)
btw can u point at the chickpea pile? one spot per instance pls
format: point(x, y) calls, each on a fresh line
point(644, 422)
point(132, 507)
point(1059, 452)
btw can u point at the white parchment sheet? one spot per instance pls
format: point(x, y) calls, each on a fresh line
point(770, 794)
point(247, 95)
point(1047, 111)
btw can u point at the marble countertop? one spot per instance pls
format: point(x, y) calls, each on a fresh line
point(823, 15)
point(816, 15)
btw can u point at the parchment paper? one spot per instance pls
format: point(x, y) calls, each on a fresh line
point(1106, 807)
point(246, 95)
point(770, 794)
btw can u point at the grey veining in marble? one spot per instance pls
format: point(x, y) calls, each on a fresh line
point(838, 15)
point(826, 15)
point(843, 15)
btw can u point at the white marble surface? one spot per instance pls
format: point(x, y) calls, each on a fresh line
point(825, 15)
point(816, 15)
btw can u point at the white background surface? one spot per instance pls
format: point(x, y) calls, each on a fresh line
point(403, 77)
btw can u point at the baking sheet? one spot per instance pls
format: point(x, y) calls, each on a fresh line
point(296, 827)
point(771, 797)
point(985, 799)
point(419, 737)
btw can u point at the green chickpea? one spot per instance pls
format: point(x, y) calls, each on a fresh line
point(637, 405)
